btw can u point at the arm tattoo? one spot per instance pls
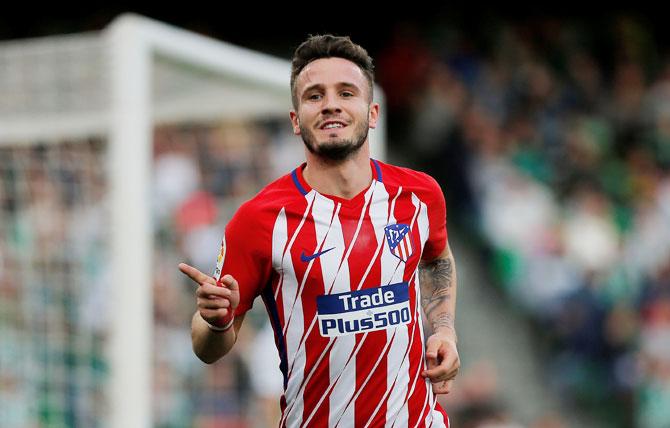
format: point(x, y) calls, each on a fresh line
point(443, 319)
point(437, 279)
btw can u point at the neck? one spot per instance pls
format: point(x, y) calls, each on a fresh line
point(344, 179)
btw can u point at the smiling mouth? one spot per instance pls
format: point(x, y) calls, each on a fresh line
point(332, 130)
point(329, 126)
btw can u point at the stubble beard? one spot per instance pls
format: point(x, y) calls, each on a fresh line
point(335, 150)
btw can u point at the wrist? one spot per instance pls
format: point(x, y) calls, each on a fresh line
point(223, 324)
point(447, 332)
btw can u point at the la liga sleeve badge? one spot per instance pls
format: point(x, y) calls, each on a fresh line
point(220, 258)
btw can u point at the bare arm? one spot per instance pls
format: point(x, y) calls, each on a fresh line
point(211, 345)
point(438, 300)
point(214, 303)
point(438, 292)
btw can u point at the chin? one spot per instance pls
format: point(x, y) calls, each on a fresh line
point(337, 150)
point(334, 143)
point(334, 148)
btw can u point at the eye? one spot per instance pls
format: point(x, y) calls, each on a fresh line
point(314, 97)
point(347, 94)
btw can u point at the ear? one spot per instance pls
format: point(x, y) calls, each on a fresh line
point(373, 115)
point(295, 122)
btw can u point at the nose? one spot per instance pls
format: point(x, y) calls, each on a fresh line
point(330, 104)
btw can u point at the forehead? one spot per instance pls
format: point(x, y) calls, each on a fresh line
point(331, 71)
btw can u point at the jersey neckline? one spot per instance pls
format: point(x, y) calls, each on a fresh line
point(304, 188)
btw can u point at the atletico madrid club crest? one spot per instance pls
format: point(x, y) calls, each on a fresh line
point(399, 240)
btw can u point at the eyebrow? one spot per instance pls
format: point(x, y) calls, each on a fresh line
point(339, 85)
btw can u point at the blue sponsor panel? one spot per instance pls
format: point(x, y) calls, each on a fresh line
point(363, 310)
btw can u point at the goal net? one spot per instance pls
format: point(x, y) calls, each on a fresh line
point(123, 153)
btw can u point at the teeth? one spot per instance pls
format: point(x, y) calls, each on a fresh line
point(333, 125)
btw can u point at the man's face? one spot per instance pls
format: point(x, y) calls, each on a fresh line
point(334, 108)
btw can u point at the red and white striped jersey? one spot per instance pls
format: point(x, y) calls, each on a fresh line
point(339, 281)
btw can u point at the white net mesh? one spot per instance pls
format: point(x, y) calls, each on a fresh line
point(182, 92)
point(52, 75)
point(53, 88)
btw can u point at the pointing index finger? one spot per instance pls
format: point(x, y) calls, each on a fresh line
point(195, 274)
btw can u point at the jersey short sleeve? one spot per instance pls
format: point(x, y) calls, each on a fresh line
point(437, 220)
point(245, 254)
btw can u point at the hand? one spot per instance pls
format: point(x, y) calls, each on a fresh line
point(443, 362)
point(216, 302)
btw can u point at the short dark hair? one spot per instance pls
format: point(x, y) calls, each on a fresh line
point(329, 46)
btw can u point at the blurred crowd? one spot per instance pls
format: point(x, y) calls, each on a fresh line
point(201, 175)
point(54, 277)
point(551, 140)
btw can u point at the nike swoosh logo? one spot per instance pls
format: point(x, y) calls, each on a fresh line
point(305, 258)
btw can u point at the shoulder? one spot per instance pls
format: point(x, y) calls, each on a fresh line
point(416, 181)
point(267, 203)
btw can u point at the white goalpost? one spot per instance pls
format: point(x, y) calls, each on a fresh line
point(85, 107)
